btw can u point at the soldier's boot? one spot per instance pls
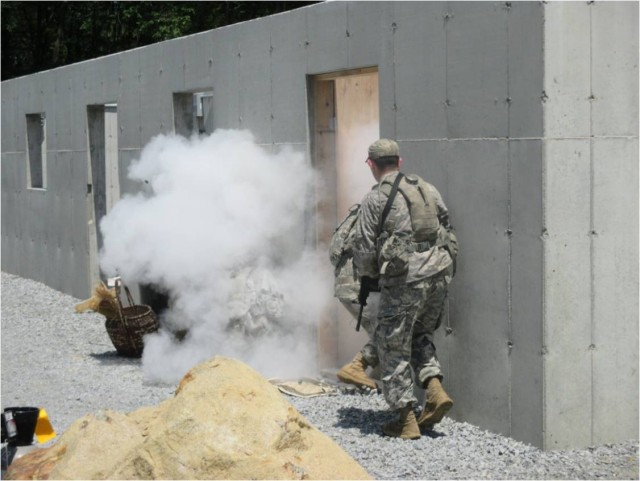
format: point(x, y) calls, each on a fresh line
point(355, 373)
point(436, 403)
point(406, 427)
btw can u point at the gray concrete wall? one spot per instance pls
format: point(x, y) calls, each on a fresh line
point(468, 89)
point(590, 162)
point(469, 118)
point(44, 230)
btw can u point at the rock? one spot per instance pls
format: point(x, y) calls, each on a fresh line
point(225, 422)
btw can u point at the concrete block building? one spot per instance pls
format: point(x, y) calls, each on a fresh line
point(523, 114)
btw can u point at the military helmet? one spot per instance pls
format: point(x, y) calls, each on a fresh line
point(383, 148)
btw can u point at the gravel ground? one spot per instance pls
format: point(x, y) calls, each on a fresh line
point(65, 362)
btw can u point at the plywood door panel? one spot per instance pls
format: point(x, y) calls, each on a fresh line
point(357, 126)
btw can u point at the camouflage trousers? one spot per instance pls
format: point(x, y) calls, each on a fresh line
point(407, 320)
point(369, 323)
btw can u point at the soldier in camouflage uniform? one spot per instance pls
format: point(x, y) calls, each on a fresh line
point(346, 289)
point(413, 278)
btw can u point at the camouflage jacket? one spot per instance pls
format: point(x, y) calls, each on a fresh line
point(389, 254)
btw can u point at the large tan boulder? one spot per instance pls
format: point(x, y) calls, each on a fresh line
point(225, 422)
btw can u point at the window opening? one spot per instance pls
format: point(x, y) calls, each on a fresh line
point(193, 112)
point(37, 150)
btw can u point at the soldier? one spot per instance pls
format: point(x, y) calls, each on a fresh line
point(404, 244)
point(346, 289)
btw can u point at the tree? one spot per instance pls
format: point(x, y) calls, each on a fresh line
point(43, 35)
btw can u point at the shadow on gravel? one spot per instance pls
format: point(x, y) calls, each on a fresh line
point(430, 433)
point(370, 421)
point(112, 358)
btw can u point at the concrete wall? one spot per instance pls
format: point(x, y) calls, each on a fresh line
point(590, 164)
point(492, 102)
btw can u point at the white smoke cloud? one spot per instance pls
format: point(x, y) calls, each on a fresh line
point(212, 206)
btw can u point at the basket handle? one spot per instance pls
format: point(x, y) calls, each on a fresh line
point(129, 296)
point(123, 318)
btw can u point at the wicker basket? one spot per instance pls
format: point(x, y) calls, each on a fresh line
point(132, 323)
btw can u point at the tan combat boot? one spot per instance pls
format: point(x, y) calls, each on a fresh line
point(405, 428)
point(436, 403)
point(355, 373)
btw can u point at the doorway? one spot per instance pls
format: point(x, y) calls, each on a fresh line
point(345, 119)
point(103, 187)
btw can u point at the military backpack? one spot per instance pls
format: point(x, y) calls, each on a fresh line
point(340, 247)
point(422, 207)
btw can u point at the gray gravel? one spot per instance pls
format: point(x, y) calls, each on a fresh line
point(455, 450)
point(65, 362)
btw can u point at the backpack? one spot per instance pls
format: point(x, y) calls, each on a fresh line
point(342, 239)
point(422, 208)
point(426, 226)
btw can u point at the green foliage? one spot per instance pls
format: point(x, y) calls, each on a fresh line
point(43, 35)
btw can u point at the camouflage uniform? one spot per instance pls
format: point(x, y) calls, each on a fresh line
point(347, 286)
point(413, 291)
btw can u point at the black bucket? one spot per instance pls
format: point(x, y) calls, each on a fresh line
point(26, 419)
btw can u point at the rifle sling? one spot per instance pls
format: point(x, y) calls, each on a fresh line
point(387, 207)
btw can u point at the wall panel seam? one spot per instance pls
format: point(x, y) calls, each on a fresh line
point(510, 243)
point(543, 238)
point(591, 229)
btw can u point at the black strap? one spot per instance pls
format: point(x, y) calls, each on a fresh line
point(387, 207)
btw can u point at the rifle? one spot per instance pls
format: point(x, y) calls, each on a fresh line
point(360, 317)
point(367, 285)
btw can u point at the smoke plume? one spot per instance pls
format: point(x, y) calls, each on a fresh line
point(220, 217)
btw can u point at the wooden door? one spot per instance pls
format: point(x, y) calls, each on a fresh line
point(346, 120)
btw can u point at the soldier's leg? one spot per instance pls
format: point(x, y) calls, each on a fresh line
point(392, 338)
point(354, 372)
point(437, 402)
point(428, 318)
point(369, 323)
point(398, 307)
